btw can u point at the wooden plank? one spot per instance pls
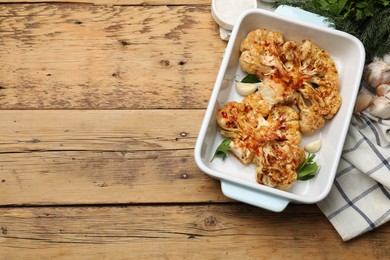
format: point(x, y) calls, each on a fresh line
point(98, 130)
point(107, 57)
point(118, 2)
point(230, 231)
point(109, 156)
point(63, 178)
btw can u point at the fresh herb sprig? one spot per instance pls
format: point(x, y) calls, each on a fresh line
point(222, 149)
point(308, 168)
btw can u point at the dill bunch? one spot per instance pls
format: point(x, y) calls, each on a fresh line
point(367, 20)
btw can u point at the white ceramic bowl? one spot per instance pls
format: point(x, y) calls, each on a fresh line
point(226, 13)
point(238, 181)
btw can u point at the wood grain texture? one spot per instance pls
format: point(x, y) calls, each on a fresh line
point(98, 130)
point(63, 178)
point(119, 2)
point(228, 231)
point(109, 156)
point(79, 56)
point(100, 104)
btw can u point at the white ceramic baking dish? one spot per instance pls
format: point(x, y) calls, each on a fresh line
point(238, 181)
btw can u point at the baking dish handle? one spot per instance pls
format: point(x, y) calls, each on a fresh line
point(253, 197)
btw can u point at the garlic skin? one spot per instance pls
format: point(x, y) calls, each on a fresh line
point(383, 90)
point(377, 73)
point(313, 146)
point(246, 89)
point(380, 107)
point(363, 100)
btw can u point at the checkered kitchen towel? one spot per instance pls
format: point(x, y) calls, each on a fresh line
point(359, 200)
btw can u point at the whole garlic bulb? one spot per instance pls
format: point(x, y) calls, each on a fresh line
point(377, 73)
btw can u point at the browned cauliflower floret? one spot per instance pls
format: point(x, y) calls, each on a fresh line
point(310, 117)
point(259, 52)
point(277, 162)
point(286, 125)
point(276, 90)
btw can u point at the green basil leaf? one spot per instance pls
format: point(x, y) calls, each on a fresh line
point(307, 177)
point(222, 149)
point(308, 168)
point(250, 78)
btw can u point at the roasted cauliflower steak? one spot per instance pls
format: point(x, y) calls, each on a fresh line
point(293, 74)
point(267, 136)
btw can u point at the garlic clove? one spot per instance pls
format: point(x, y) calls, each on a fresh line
point(380, 107)
point(313, 146)
point(383, 90)
point(363, 100)
point(377, 73)
point(246, 89)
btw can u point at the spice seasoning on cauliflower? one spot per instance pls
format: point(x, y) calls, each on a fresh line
point(293, 73)
point(267, 136)
point(298, 92)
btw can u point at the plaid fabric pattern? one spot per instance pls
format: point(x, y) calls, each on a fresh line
point(359, 200)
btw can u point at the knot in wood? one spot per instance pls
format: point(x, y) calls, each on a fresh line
point(4, 230)
point(190, 236)
point(210, 222)
point(164, 62)
point(124, 43)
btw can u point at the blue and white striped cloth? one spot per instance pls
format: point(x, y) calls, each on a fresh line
point(359, 200)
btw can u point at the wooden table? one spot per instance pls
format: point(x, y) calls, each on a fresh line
point(101, 103)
